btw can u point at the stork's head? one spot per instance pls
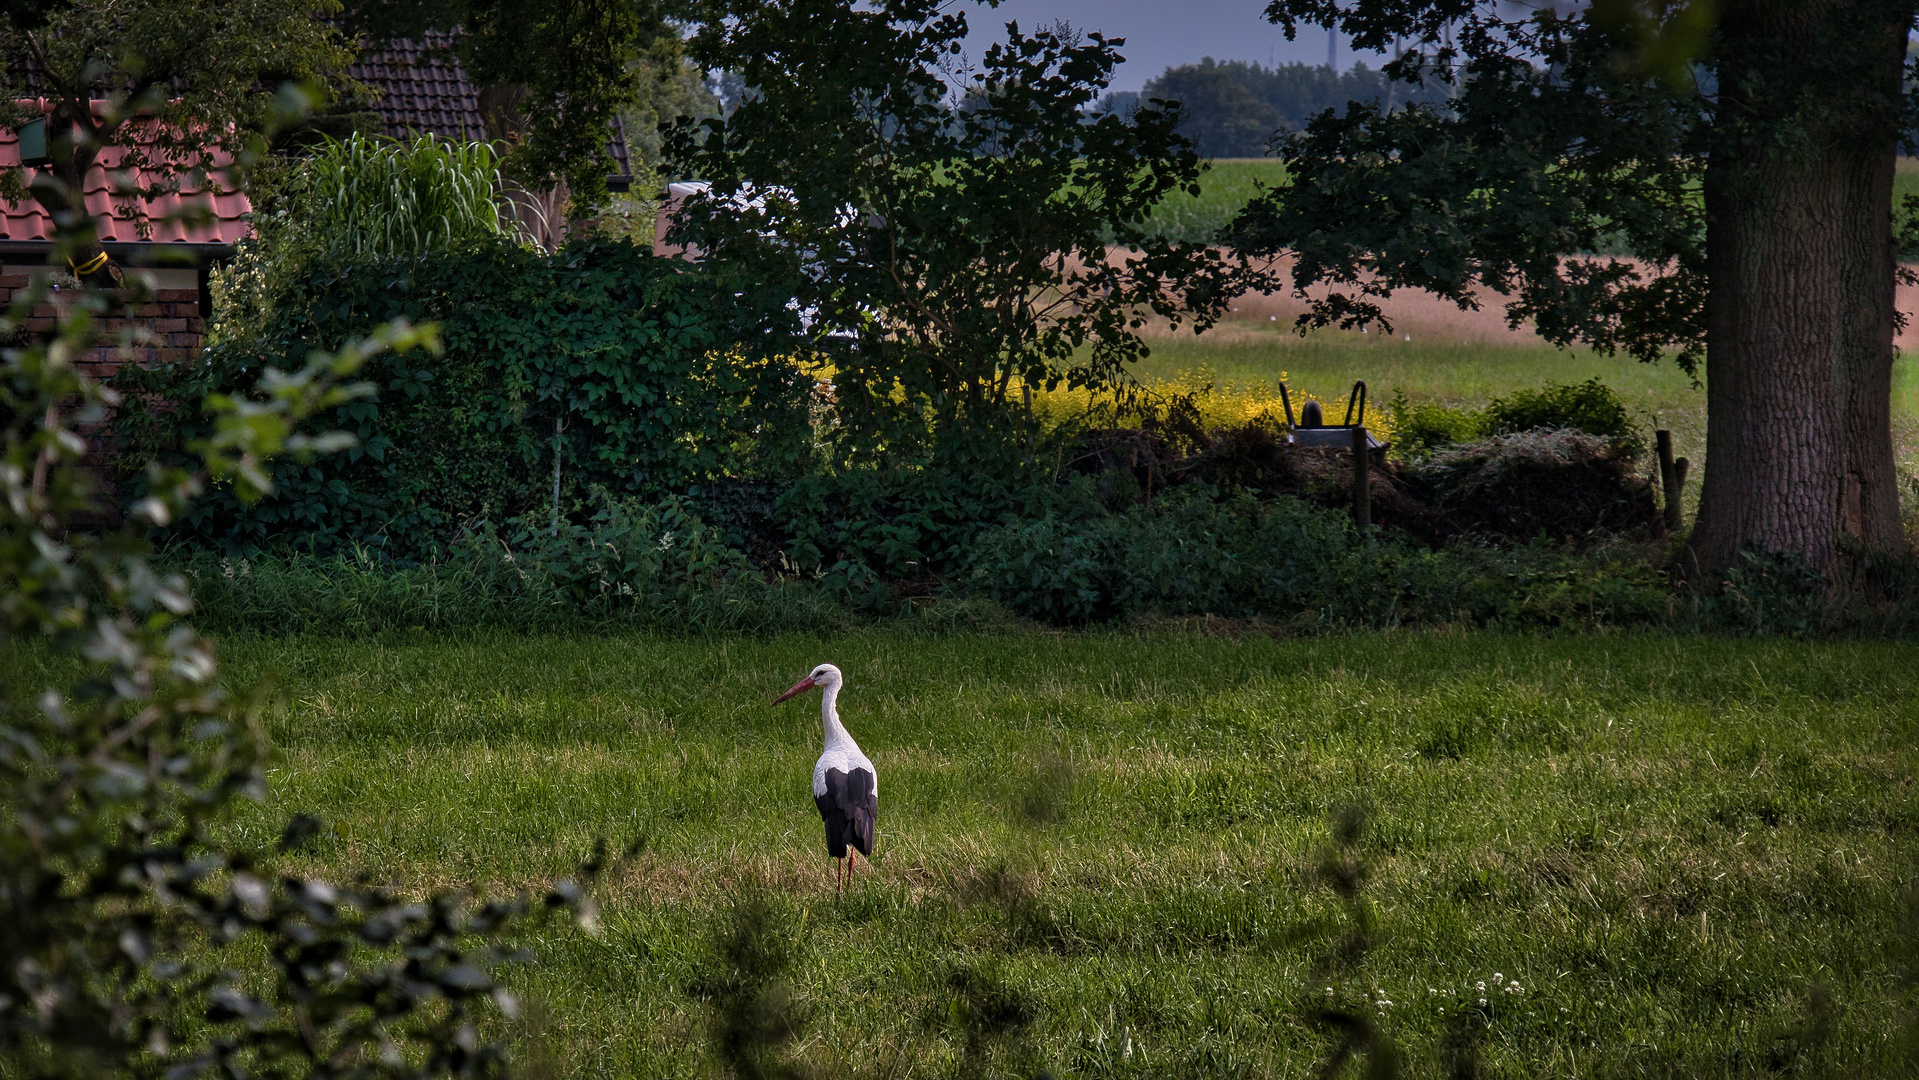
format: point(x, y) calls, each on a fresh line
point(824, 675)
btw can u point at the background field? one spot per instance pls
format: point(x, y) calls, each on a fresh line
point(1229, 183)
point(1440, 354)
point(1691, 854)
point(1460, 359)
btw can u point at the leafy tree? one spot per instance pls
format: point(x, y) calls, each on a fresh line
point(942, 255)
point(1220, 111)
point(1744, 163)
point(171, 82)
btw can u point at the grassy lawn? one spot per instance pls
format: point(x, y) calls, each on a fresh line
point(1690, 853)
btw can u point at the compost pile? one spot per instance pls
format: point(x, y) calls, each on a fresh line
point(1556, 482)
point(1561, 483)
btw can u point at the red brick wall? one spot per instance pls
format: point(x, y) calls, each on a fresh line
point(171, 319)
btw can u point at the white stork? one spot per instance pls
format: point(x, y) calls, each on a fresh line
point(846, 786)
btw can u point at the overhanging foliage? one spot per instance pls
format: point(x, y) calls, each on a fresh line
point(946, 251)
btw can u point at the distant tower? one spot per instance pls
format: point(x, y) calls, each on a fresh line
point(1332, 48)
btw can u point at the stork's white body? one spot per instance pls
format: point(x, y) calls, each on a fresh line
point(846, 786)
point(841, 751)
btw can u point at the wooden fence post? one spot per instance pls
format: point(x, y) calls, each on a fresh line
point(1669, 477)
point(1362, 480)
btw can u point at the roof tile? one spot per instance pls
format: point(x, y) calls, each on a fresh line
point(27, 221)
point(425, 90)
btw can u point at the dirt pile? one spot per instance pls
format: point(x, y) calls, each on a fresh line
point(1564, 484)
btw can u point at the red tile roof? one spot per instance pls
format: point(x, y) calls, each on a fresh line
point(27, 221)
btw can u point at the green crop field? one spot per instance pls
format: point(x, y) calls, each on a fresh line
point(1226, 186)
point(1097, 852)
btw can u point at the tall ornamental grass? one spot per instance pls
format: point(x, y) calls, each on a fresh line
point(379, 199)
point(361, 199)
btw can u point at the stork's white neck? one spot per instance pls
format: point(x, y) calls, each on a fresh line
point(830, 717)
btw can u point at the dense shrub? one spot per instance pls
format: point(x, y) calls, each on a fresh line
point(1278, 561)
point(630, 563)
point(872, 533)
point(1423, 427)
point(358, 198)
point(1182, 554)
point(1591, 407)
point(638, 359)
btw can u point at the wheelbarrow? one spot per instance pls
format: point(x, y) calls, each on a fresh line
point(1311, 428)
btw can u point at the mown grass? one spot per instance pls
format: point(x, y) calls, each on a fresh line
point(1691, 853)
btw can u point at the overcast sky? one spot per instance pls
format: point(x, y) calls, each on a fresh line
point(1159, 33)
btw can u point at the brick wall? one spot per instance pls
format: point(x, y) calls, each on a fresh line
point(171, 319)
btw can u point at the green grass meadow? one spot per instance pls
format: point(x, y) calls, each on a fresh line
point(1097, 851)
point(1454, 373)
point(1225, 188)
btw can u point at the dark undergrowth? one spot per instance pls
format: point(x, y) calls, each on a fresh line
point(1273, 566)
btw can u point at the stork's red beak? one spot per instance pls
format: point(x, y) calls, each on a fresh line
point(804, 684)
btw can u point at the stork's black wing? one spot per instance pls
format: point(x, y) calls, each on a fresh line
point(849, 808)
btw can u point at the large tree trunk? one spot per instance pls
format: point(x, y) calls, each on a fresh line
point(1799, 304)
point(1869, 495)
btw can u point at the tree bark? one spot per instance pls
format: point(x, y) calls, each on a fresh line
point(1799, 311)
point(1869, 495)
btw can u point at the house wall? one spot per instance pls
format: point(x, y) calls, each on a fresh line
point(170, 321)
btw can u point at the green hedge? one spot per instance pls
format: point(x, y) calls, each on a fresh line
point(663, 379)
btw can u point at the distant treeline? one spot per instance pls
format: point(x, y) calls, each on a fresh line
point(1233, 108)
